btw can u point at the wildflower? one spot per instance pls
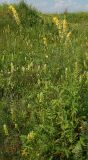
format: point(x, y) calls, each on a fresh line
point(5, 130)
point(31, 135)
point(56, 21)
point(65, 25)
point(15, 14)
point(45, 41)
point(24, 152)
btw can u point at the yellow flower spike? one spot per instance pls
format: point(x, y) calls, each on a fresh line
point(15, 14)
point(65, 25)
point(5, 130)
point(31, 135)
point(56, 21)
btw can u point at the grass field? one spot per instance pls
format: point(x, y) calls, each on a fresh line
point(43, 85)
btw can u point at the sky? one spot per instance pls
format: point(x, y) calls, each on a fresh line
point(57, 6)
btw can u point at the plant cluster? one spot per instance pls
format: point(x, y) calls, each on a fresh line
point(43, 87)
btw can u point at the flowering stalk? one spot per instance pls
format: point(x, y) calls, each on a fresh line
point(15, 14)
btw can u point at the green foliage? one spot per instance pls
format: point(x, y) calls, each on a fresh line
point(43, 87)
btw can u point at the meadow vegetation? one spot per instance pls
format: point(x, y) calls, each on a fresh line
point(43, 84)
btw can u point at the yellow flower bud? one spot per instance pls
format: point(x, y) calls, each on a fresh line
point(31, 135)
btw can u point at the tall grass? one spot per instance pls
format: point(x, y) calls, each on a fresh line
point(43, 85)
